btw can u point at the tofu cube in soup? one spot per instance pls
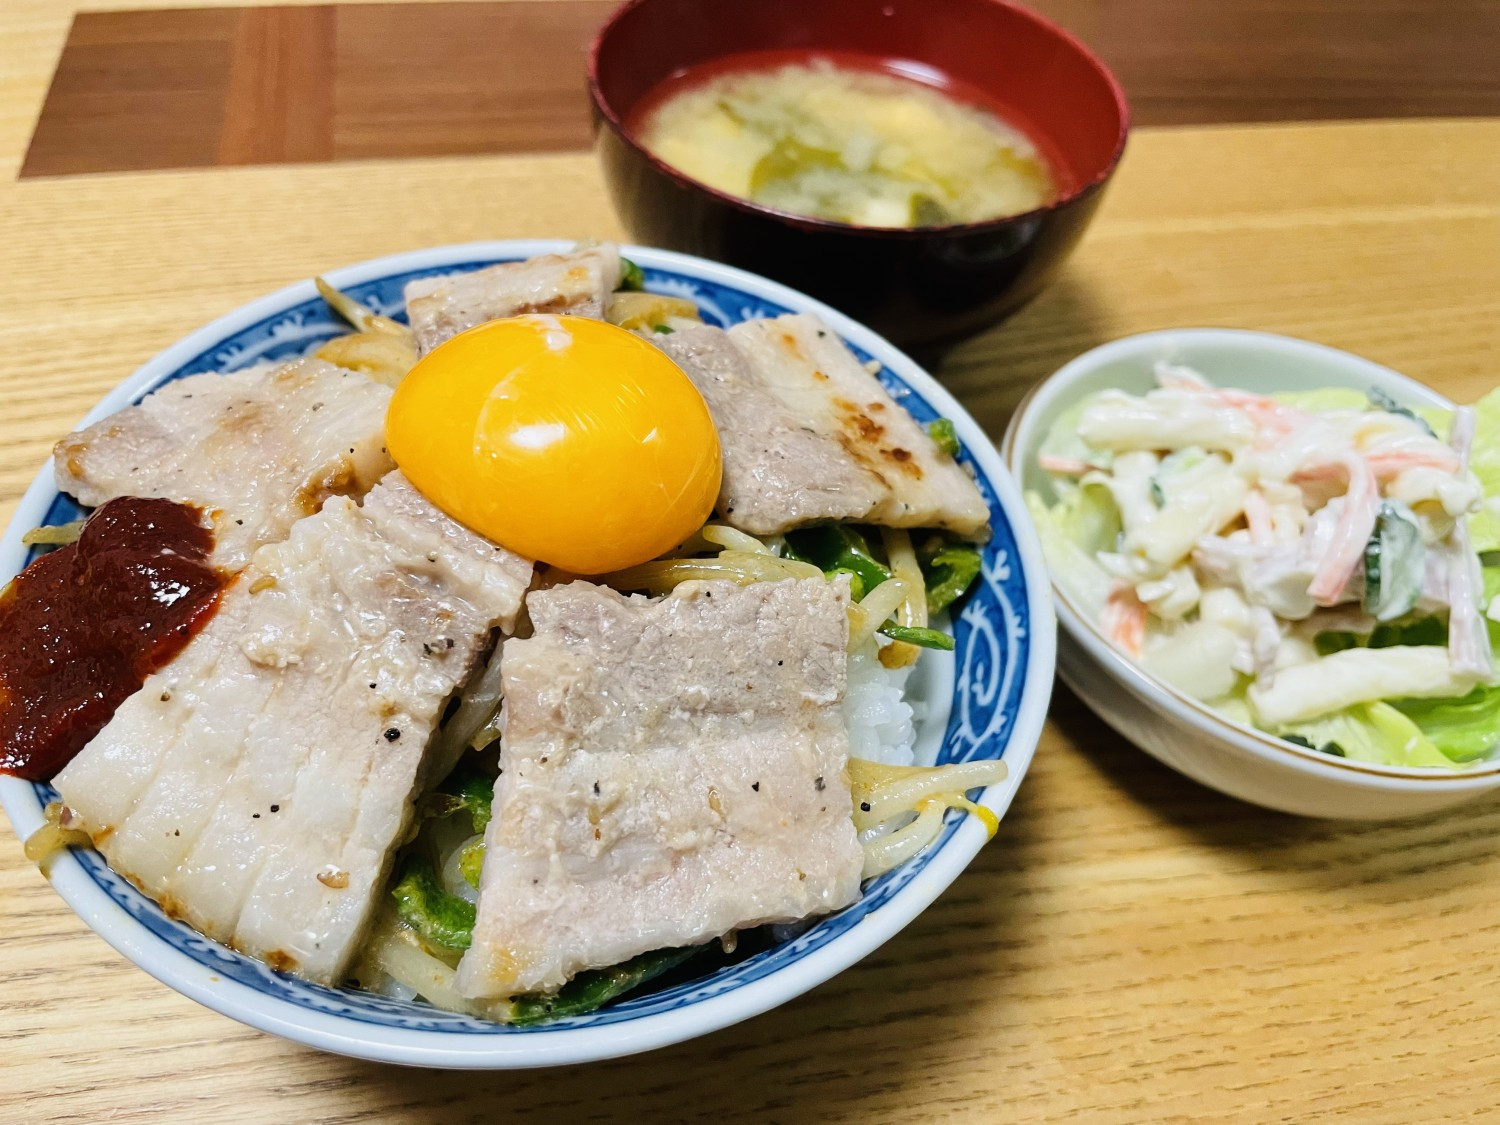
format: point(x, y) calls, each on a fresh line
point(256, 450)
point(576, 284)
point(673, 769)
point(258, 785)
point(810, 436)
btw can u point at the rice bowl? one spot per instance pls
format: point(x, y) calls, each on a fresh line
point(1010, 682)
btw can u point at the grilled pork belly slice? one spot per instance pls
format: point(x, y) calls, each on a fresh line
point(779, 472)
point(256, 449)
point(672, 770)
point(258, 785)
point(810, 436)
point(576, 284)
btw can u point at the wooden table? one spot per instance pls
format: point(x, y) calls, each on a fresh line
point(1130, 947)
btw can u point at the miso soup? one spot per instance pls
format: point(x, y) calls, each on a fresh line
point(849, 144)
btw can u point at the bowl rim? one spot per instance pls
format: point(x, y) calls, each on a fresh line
point(457, 1048)
point(1136, 678)
point(810, 223)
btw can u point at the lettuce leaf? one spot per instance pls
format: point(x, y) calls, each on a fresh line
point(1463, 729)
point(1372, 732)
point(1468, 728)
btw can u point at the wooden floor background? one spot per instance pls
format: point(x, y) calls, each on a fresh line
point(189, 87)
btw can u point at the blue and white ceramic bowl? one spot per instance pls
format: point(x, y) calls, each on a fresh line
point(986, 700)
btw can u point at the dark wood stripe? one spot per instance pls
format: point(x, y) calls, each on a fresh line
point(1212, 61)
point(185, 88)
point(135, 93)
point(196, 88)
point(279, 90)
point(430, 80)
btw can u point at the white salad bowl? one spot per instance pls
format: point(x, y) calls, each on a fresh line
point(1174, 728)
point(987, 699)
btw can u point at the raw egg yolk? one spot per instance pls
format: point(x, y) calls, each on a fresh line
point(570, 441)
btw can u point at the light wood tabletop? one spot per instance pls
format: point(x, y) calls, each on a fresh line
point(1130, 946)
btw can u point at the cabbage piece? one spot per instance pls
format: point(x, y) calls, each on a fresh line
point(1072, 532)
point(1341, 680)
point(1088, 515)
point(1324, 399)
point(1484, 463)
point(1063, 441)
point(1369, 732)
point(1236, 706)
point(1197, 659)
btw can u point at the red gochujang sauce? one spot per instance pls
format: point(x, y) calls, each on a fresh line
point(81, 628)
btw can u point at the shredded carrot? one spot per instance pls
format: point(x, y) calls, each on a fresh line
point(1124, 619)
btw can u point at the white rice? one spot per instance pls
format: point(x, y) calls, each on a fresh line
point(879, 718)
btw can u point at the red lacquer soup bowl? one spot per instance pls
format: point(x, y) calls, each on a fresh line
point(916, 286)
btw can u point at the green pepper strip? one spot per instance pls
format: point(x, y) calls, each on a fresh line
point(472, 794)
point(950, 571)
point(588, 991)
point(439, 918)
point(836, 548)
point(924, 638)
point(857, 589)
point(944, 436)
point(631, 275)
point(477, 794)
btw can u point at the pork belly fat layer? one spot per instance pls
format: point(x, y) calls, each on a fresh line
point(673, 769)
point(778, 472)
point(577, 284)
point(810, 436)
point(256, 449)
point(258, 785)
